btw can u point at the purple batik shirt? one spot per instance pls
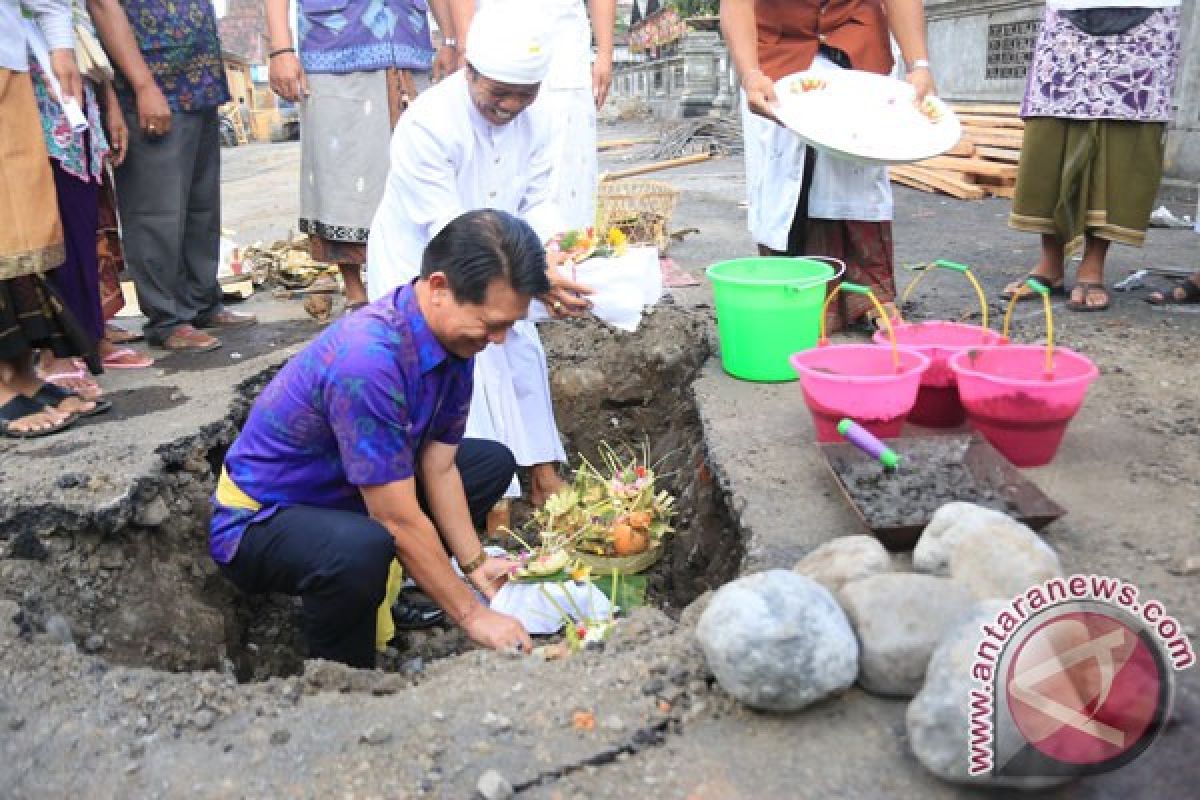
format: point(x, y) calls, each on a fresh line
point(353, 409)
point(342, 36)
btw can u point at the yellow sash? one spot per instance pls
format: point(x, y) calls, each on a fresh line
point(230, 495)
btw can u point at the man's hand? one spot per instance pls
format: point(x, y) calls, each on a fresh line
point(563, 299)
point(66, 69)
point(760, 94)
point(447, 61)
point(601, 79)
point(491, 576)
point(154, 114)
point(118, 133)
point(921, 80)
point(287, 77)
point(496, 631)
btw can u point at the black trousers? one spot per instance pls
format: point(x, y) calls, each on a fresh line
point(337, 561)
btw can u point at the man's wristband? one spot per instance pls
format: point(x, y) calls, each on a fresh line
point(281, 51)
point(475, 563)
point(920, 63)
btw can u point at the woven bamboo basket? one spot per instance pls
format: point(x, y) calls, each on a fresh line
point(639, 209)
point(626, 565)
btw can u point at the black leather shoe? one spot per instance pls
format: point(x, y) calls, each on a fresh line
point(413, 613)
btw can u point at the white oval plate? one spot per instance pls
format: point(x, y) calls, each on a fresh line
point(864, 117)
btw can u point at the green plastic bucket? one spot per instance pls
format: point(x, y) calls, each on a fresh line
point(767, 309)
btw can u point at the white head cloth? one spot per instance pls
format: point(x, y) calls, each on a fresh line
point(509, 41)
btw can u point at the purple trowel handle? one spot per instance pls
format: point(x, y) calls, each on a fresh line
point(868, 442)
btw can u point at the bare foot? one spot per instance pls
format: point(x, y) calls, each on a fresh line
point(544, 481)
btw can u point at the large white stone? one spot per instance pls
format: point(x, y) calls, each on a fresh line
point(932, 553)
point(990, 553)
point(778, 641)
point(939, 717)
point(899, 619)
point(845, 559)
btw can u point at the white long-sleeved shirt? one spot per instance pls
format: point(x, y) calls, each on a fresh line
point(52, 16)
point(446, 159)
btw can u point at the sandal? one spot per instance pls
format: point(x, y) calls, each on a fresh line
point(115, 334)
point(126, 358)
point(1019, 290)
point(1088, 290)
point(51, 395)
point(76, 382)
point(415, 613)
point(1191, 295)
point(20, 407)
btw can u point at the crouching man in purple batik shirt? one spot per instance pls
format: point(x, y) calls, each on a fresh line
point(354, 453)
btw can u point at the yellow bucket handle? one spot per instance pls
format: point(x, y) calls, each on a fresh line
point(953, 266)
point(856, 288)
point(1045, 295)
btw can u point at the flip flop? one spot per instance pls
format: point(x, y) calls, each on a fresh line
point(1089, 288)
point(51, 394)
point(21, 406)
point(118, 335)
point(1191, 295)
point(1023, 292)
point(79, 374)
point(127, 359)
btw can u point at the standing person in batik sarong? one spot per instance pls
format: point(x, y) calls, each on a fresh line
point(355, 67)
point(1096, 108)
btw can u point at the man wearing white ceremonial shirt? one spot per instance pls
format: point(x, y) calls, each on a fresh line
point(473, 141)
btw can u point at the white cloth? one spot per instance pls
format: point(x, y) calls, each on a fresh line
point(775, 158)
point(1075, 5)
point(624, 286)
point(52, 16)
point(447, 159)
point(510, 42)
point(529, 604)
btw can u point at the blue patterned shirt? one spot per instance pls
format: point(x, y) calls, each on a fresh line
point(352, 409)
point(178, 39)
point(340, 36)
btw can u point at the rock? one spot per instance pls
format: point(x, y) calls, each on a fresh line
point(846, 559)
point(93, 643)
point(8, 620)
point(16, 723)
point(778, 641)
point(1002, 561)
point(653, 686)
point(280, 737)
point(990, 553)
point(932, 553)
point(58, 629)
point(613, 723)
point(152, 514)
point(496, 723)
point(1182, 566)
point(493, 786)
point(375, 736)
point(899, 619)
point(204, 719)
point(938, 718)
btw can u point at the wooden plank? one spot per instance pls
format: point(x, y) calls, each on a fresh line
point(994, 138)
point(1002, 191)
point(1005, 154)
point(943, 183)
point(656, 166)
point(614, 144)
point(965, 147)
point(982, 121)
point(970, 166)
point(905, 180)
point(1004, 109)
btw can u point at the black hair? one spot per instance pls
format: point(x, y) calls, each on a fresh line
point(482, 245)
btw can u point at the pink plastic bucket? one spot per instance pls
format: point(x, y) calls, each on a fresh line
point(859, 381)
point(1015, 404)
point(938, 404)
